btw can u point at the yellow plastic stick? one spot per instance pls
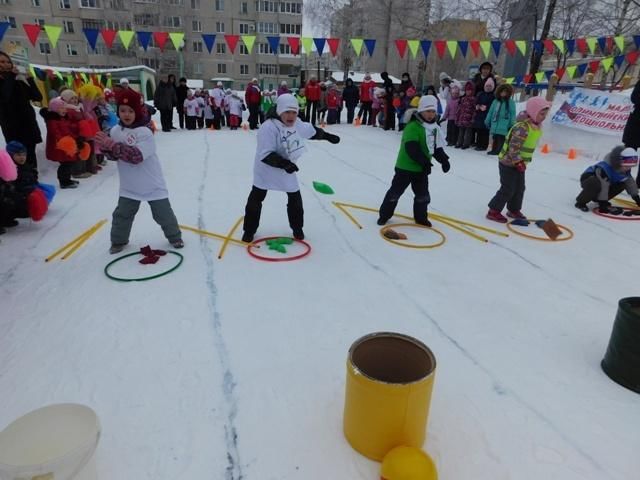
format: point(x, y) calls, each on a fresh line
point(626, 203)
point(83, 240)
point(469, 224)
point(351, 217)
point(229, 237)
point(73, 242)
point(359, 207)
point(212, 235)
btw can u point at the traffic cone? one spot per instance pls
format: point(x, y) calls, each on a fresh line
point(573, 154)
point(545, 148)
point(357, 122)
point(245, 127)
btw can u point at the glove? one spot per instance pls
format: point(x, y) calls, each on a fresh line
point(427, 167)
point(291, 168)
point(104, 141)
point(603, 207)
point(331, 138)
point(636, 198)
point(521, 167)
point(446, 166)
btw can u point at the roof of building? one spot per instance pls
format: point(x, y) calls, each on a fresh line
point(96, 70)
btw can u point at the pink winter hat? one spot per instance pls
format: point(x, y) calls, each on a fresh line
point(535, 105)
point(489, 85)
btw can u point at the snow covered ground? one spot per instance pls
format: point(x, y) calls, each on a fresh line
point(235, 368)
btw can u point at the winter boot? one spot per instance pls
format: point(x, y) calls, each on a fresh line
point(517, 215)
point(582, 206)
point(247, 237)
point(496, 216)
point(116, 248)
point(177, 243)
point(381, 221)
point(425, 222)
point(69, 184)
point(10, 223)
point(298, 234)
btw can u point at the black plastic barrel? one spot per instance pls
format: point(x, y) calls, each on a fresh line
point(621, 362)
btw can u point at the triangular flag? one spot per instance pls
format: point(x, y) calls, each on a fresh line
point(632, 57)
point(294, 43)
point(357, 43)
point(509, 80)
point(518, 79)
point(571, 71)
point(594, 66)
point(92, 36)
point(160, 39)
point(537, 46)
point(560, 45)
point(539, 77)
point(475, 47)
point(108, 36)
point(426, 47)
point(548, 44)
point(619, 42)
point(560, 72)
point(370, 43)
point(177, 39)
point(249, 41)
point(319, 43)
point(3, 29)
point(548, 74)
point(582, 69)
point(581, 45)
point(528, 78)
point(602, 43)
point(496, 45)
point(485, 45)
point(619, 60)
point(307, 44)
point(334, 44)
point(209, 40)
point(592, 42)
point(440, 47)
point(232, 42)
point(401, 46)
point(610, 44)
point(571, 46)
point(464, 47)
point(32, 31)
point(274, 44)
point(125, 37)
point(606, 63)
point(414, 45)
point(522, 46)
point(636, 40)
point(53, 33)
point(143, 39)
point(452, 46)
point(510, 45)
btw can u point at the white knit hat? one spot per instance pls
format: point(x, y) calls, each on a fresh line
point(124, 81)
point(629, 157)
point(286, 103)
point(428, 102)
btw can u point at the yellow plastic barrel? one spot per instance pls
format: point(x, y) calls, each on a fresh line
point(389, 384)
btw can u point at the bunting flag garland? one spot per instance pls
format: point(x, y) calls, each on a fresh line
point(548, 44)
point(401, 46)
point(294, 43)
point(452, 46)
point(53, 34)
point(177, 39)
point(414, 45)
point(606, 64)
point(307, 43)
point(370, 43)
point(582, 69)
point(92, 36)
point(581, 45)
point(126, 36)
point(232, 42)
point(632, 57)
point(519, 79)
point(475, 47)
point(144, 38)
point(357, 43)
point(636, 40)
point(108, 36)
point(571, 71)
point(32, 31)
point(426, 47)
point(560, 72)
point(510, 45)
point(537, 46)
point(496, 45)
point(464, 47)
point(609, 44)
point(594, 66)
point(528, 78)
point(522, 46)
point(539, 77)
point(334, 44)
point(485, 45)
point(548, 73)
point(209, 40)
point(160, 39)
point(440, 47)
point(591, 42)
point(249, 41)
point(3, 29)
point(571, 46)
point(560, 45)
point(602, 43)
point(509, 80)
point(619, 60)
point(619, 42)
point(274, 44)
point(319, 43)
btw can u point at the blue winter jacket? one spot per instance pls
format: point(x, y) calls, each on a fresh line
point(501, 116)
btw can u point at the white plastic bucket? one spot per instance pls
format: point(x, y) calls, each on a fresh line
point(51, 443)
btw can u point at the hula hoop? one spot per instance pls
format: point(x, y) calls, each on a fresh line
point(542, 239)
point(634, 218)
point(140, 279)
point(409, 245)
point(274, 259)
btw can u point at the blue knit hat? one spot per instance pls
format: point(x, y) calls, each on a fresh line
point(14, 147)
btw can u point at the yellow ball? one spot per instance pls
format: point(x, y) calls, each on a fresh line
point(408, 463)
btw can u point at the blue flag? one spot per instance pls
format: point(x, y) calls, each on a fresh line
point(581, 69)
point(92, 36)
point(548, 74)
point(371, 45)
point(464, 47)
point(602, 43)
point(319, 45)
point(619, 60)
point(571, 46)
point(3, 28)
point(537, 46)
point(209, 40)
point(274, 43)
point(426, 46)
point(496, 44)
point(519, 79)
point(143, 39)
point(636, 39)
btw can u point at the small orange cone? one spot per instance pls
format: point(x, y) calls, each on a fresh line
point(573, 154)
point(545, 148)
point(245, 127)
point(323, 125)
point(357, 122)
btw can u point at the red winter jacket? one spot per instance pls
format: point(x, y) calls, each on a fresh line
point(252, 95)
point(333, 99)
point(366, 91)
point(312, 91)
point(58, 127)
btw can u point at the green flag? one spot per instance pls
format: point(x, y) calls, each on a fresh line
point(356, 43)
point(509, 80)
point(571, 71)
point(560, 45)
point(248, 41)
point(540, 76)
point(606, 63)
point(485, 45)
point(522, 46)
point(177, 38)
point(53, 32)
point(619, 42)
point(307, 44)
point(592, 42)
point(452, 45)
point(125, 37)
point(413, 47)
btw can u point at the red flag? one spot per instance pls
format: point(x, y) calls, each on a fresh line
point(108, 36)
point(528, 78)
point(560, 72)
point(32, 31)
point(475, 47)
point(441, 46)
point(548, 44)
point(232, 41)
point(594, 66)
point(334, 43)
point(510, 45)
point(294, 43)
point(581, 45)
point(632, 57)
point(161, 39)
point(401, 45)
point(609, 44)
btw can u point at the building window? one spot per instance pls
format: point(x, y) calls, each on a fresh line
point(197, 46)
point(11, 20)
point(266, 6)
point(244, 8)
point(151, 63)
point(117, 5)
point(94, 24)
point(196, 25)
point(285, 49)
point(172, 22)
point(267, 69)
point(244, 50)
point(197, 68)
point(146, 19)
point(267, 27)
point(220, 27)
point(176, 2)
point(89, 4)
point(45, 48)
point(221, 48)
point(219, 5)
point(244, 69)
point(100, 49)
point(222, 68)
point(195, 4)
point(290, 28)
point(65, 4)
point(5, 2)
point(71, 50)
point(39, 21)
point(244, 29)
point(35, 3)
point(118, 25)
point(68, 26)
point(291, 7)
point(264, 48)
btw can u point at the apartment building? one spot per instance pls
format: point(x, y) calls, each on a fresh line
point(193, 17)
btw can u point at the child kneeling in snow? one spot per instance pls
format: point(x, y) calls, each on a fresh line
point(280, 145)
point(141, 180)
point(420, 137)
point(516, 153)
point(604, 180)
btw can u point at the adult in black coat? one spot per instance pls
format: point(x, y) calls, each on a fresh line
point(486, 72)
point(172, 81)
point(351, 97)
point(181, 94)
point(631, 135)
point(389, 110)
point(165, 99)
point(17, 117)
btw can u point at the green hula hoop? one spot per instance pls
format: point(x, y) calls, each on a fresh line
point(140, 279)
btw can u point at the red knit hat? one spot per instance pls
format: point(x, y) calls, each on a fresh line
point(131, 98)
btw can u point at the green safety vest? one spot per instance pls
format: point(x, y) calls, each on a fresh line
point(530, 144)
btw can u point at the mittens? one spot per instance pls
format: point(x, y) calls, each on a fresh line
point(521, 167)
point(446, 166)
point(291, 168)
point(331, 138)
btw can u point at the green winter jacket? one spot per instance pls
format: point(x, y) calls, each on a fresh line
point(501, 116)
point(420, 160)
point(302, 101)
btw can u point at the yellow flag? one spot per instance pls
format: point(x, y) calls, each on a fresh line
point(307, 44)
point(485, 45)
point(53, 32)
point(592, 42)
point(177, 38)
point(125, 37)
point(571, 71)
point(248, 41)
point(356, 43)
point(560, 45)
point(606, 63)
point(619, 42)
point(509, 80)
point(413, 47)
point(522, 46)
point(452, 45)
point(540, 76)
